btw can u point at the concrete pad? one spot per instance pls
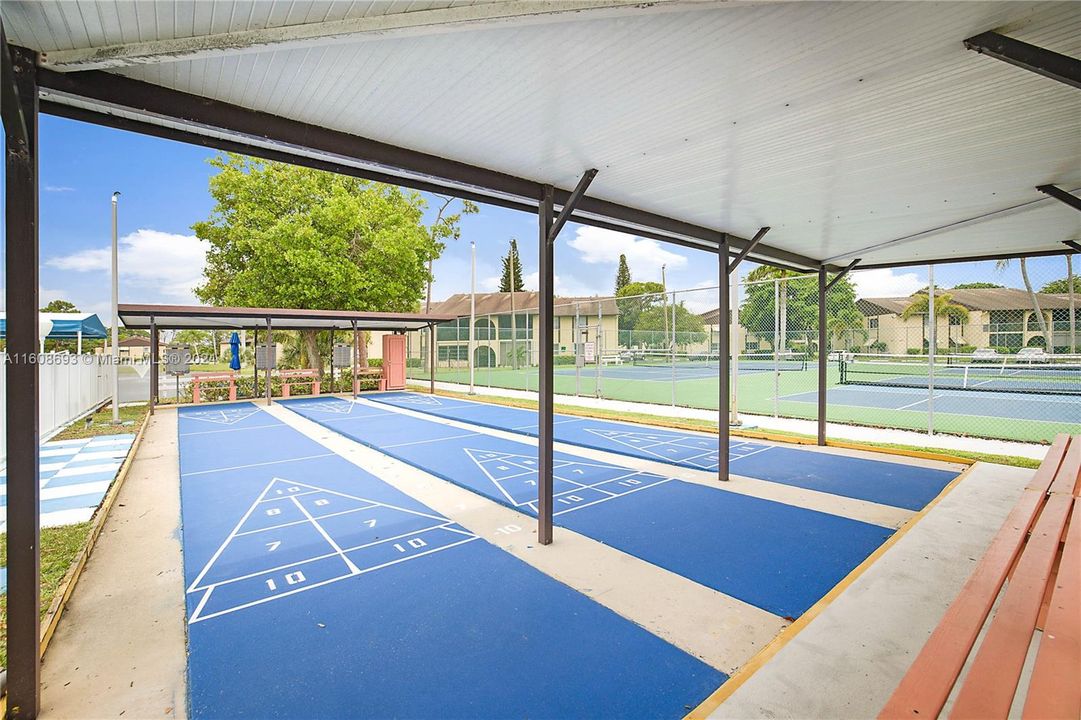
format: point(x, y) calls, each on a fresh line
point(120, 647)
point(716, 628)
point(847, 661)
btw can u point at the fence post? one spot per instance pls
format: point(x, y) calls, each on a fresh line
point(822, 356)
point(724, 397)
point(932, 321)
point(735, 350)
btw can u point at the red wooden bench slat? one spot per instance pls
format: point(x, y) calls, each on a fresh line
point(1066, 478)
point(991, 683)
point(1055, 689)
point(926, 686)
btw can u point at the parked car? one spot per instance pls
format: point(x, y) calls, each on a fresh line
point(1033, 355)
point(984, 355)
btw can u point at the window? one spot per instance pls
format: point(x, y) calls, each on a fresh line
point(872, 323)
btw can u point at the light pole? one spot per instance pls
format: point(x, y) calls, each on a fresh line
point(472, 306)
point(116, 323)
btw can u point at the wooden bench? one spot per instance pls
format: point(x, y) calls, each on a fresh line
point(370, 373)
point(299, 377)
point(197, 379)
point(1036, 556)
point(611, 360)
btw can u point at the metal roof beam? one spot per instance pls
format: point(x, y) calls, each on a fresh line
point(837, 278)
point(1060, 194)
point(994, 214)
point(972, 258)
point(10, 107)
point(747, 250)
point(350, 30)
point(252, 129)
point(1035, 59)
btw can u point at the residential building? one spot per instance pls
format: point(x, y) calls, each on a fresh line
point(1002, 318)
point(499, 332)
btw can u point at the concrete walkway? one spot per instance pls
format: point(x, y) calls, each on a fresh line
point(847, 661)
point(119, 649)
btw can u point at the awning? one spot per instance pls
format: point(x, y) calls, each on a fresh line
point(205, 317)
point(65, 326)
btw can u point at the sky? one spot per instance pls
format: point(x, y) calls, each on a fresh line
point(164, 191)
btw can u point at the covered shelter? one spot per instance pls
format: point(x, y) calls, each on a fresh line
point(65, 326)
point(199, 317)
point(809, 136)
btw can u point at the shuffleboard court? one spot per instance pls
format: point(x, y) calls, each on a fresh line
point(777, 557)
point(315, 589)
point(888, 483)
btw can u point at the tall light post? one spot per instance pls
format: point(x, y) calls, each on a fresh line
point(472, 307)
point(116, 322)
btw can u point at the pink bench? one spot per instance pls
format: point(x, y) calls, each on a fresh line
point(299, 377)
point(198, 378)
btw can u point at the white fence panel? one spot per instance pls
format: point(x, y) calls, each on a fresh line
point(71, 385)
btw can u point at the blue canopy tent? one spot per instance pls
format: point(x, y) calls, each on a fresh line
point(65, 326)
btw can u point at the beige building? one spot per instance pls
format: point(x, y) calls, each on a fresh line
point(1002, 318)
point(499, 333)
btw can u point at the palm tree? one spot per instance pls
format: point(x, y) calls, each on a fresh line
point(1001, 265)
point(944, 307)
point(848, 322)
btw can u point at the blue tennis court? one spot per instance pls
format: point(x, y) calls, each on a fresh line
point(775, 556)
point(315, 589)
point(888, 483)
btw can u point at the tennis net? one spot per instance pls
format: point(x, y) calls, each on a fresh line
point(1049, 375)
point(750, 362)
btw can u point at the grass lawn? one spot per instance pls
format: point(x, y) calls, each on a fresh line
point(710, 426)
point(212, 367)
point(59, 547)
point(102, 423)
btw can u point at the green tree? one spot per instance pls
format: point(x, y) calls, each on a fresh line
point(633, 299)
point(623, 274)
point(944, 307)
point(797, 296)
point(976, 286)
point(1001, 265)
point(511, 279)
point(60, 306)
point(1062, 286)
point(445, 227)
point(654, 322)
point(292, 237)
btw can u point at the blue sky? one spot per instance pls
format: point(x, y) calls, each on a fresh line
point(163, 188)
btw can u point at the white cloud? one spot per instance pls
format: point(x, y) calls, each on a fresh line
point(167, 264)
point(564, 286)
point(644, 256)
point(886, 282)
point(58, 188)
point(699, 299)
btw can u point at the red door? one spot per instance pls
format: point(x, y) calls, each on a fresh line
point(394, 362)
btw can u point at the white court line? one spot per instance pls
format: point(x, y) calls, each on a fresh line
point(326, 536)
point(229, 429)
point(433, 440)
point(913, 404)
point(629, 492)
point(753, 452)
point(260, 464)
point(327, 582)
point(221, 548)
point(298, 522)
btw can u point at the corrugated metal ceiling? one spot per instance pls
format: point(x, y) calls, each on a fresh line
point(841, 125)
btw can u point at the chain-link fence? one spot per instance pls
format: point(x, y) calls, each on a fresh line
point(998, 358)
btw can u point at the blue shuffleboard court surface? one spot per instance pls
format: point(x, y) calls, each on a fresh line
point(887, 483)
point(775, 556)
point(316, 590)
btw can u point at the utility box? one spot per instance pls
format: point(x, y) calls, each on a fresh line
point(178, 359)
point(342, 357)
point(262, 360)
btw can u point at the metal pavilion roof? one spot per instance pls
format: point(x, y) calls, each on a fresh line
point(853, 130)
point(179, 317)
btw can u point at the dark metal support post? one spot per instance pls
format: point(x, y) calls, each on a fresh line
point(1061, 195)
point(153, 364)
point(255, 365)
point(269, 350)
point(24, 492)
point(748, 249)
point(356, 357)
point(724, 342)
point(546, 282)
point(1035, 59)
point(431, 359)
point(822, 356)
